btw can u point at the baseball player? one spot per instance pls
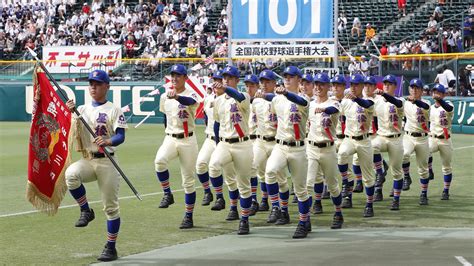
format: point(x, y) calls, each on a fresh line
point(292, 113)
point(441, 116)
point(323, 117)
point(108, 122)
point(231, 116)
point(178, 106)
point(358, 112)
point(389, 110)
point(266, 130)
point(416, 137)
point(252, 84)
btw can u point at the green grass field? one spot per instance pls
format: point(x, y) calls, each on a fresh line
point(34, 238)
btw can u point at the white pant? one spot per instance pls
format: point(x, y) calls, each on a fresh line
point(108, 179)
point(420, 146)
point(293, 158)
point(445, 148)
point(365, 155)
point(323, 160)
point(241, 154)
point(394, 147)
point(261, 152)
point(186, 149)
point(202, 164)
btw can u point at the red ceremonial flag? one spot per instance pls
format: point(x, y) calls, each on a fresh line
point(48, 152)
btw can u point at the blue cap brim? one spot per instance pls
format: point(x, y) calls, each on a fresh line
point(98, 80)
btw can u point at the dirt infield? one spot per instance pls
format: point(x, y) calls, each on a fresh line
point(362, 246)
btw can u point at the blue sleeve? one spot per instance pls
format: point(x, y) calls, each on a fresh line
point(398, 103)
point(205, 119)
point(445, 105)
point(376, 123)
point(216, 132)
point(422, 104)
point(119, 137)
point(331, 110)
point(364, 103)
point(186, 100)
point(269, 96)
point(296, 99)
point(234, 94)
point(164, 120)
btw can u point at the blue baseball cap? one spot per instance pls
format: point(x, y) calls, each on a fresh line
point(357, 79)
point(292, 71)
point(267, 74)
point(370, 80)
point(217, 75)
point(322, 78)
point(339, 79)
point(307, 77)
point(231, 71)
point(416, 83)
point(390, 79)
point(251, 78)
point(179, 69)
point(439, 87)
point(100, 76)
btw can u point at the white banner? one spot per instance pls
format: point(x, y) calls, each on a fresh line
point(315, 70)
point(283, 50)
point(73, 59)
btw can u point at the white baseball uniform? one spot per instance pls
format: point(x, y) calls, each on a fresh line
point(440, 139)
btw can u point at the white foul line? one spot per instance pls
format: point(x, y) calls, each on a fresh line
point(150, 194)
point(463, 261)
point(91, 202)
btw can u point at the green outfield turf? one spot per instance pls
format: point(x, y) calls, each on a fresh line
point(33, 238)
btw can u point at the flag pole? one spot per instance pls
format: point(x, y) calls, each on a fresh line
point(38, 61)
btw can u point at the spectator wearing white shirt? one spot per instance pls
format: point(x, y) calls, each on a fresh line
point(364, 65)
point(341, 23)
point(450, 78)
point(392, 49)
point(432, 26)
point(356, 27)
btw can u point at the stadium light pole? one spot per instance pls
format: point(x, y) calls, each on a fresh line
point(336, 36)
point(229, 39)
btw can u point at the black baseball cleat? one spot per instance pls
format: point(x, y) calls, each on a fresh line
point(395, 205)
point(391, 193)
point(233, 215)
point(385, 168)
point(346, 203)
point(218, 205)
point(284, 219)
point(379, 180)
point(431, 175)
point(167, 200)
point(406, 183)
point(207, 199)
point(337, 221)
point(317, 207)
point(445, 195)
point(359, 188)
point(253, 208)
point(378, 195)
point(108, 254)
point(300, 232)
point(295, 199)
point(308, 225)
point(244, 227)
point(368, 212)
point(274, 215)
point(423, 199)
point(86, 217)
point(263, 207)
point(187, 223)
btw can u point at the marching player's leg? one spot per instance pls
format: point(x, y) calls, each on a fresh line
point(187, 152)
point(395, 155)
point(430, 167)
point(244, 172)
point(219, 158)
point(358, 187)
point(254, 183)
point(379, 144)
point(76, 174)
point(365, 153)
point(231, 183)
point(445, 148)
point(408, 149)
point(346, 150)
point(276, 164)
point(108, 180)
point(260, 158)
point(202, 169)
point(327, 160)
point(166, 153)
point(315, 181)
point(422, 152)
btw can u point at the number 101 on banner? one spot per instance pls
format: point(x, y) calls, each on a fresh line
point(282, 19)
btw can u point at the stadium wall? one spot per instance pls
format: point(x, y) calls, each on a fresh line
point(16, 100)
